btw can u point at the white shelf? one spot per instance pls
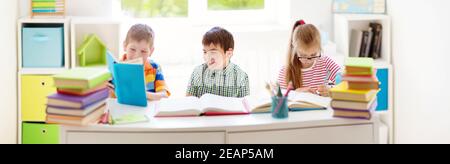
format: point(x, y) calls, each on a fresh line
point(363, 17)
point(41, 71)
point(107, 29)
point(381, 64)
point(44, 20)
point(339, 58)
point(345, 23)
point(387, 117)
point(74, 30)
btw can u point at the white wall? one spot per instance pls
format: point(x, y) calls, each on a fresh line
point(421, 57)
point(420, 36)
point(178, 42)
point(8, 109)
point(317, 12)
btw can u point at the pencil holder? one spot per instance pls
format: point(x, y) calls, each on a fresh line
point(279, 107)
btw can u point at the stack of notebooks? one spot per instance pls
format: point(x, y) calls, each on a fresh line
point(356, 96)
point(47, 6)
point(81, 97)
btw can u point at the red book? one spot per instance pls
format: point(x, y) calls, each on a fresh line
point(360, 78)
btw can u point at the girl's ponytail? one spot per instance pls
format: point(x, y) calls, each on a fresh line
point(293, 70)
point(304, 36)
point(298, 23)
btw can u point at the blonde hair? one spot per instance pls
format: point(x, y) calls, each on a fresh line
point(140, 32)
point(305, 37)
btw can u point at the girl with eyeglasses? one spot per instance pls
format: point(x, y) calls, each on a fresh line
point(306, 67)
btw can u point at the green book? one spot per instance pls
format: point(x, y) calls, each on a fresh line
point(359, 62)
point(45, 0)
point(82, 78)
point(129, 119)
point(359, 66)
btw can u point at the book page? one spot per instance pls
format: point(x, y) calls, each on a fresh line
point(138, 61)
point(310, 98)
point(187, 106)
point(303, 105)
point(111, 60)
point(219, 104)
point(258, 104)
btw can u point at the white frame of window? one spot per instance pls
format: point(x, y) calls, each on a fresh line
point(200, 14)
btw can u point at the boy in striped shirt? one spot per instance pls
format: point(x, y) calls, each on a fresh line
point(139, 47)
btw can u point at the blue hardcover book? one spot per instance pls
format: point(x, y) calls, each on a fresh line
point(129, 82)
point(305, 109)
point(44, 10)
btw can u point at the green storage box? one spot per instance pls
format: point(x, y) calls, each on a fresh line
point(40, 133)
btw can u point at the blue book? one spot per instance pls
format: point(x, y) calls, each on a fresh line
point(44, 10)
point(305, 109)
point(129, 82)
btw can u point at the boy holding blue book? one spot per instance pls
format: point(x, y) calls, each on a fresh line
point(138, 46)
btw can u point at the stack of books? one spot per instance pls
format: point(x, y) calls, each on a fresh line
point(47, 7)
point(367, 43)
point(356, 96)
point(81, 97)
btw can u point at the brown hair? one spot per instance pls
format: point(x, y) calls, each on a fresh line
point(304, 36)
point(140, 32)
point(219, 37)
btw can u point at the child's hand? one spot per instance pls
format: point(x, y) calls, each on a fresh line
point(324, 91)
point(156, 96)
point(307, 89)
point(112, 92)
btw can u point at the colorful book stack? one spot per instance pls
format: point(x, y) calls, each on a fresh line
point(356, 96)
point(47, 7)
point(81, 97)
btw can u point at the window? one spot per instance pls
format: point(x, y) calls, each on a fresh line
point(235, 4)
point(180, 25)
point(233, 12)
point(155, 8)
point(228, 11)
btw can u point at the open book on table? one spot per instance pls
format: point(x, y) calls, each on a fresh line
point(208, 104)
point(211, 105)
point(297, 101)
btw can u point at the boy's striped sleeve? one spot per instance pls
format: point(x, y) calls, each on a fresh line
point(160, 83)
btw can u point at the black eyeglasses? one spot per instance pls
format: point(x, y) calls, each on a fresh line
point(303, 57)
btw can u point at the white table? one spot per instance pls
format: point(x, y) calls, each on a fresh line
point(299, 128)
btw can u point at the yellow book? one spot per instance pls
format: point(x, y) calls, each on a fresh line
point(342, 92)
point(43, 4)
